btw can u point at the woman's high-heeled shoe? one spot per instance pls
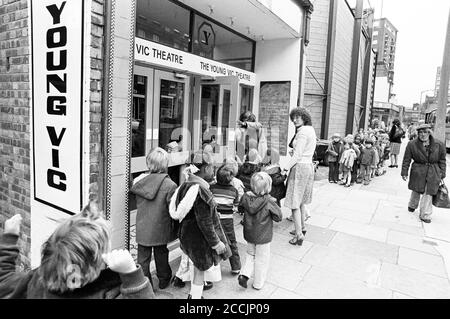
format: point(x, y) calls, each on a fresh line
point(296, 241)
point(293, 233)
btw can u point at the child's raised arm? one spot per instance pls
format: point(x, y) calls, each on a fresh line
point(9, 251)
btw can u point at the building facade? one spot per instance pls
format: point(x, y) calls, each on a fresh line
point(384, 43)
point(339, 82)
point(89, 87)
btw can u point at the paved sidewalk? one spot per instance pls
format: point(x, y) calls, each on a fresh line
point(361, 243)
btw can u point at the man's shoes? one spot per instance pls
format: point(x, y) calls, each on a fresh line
point(177, 282)
point(411, 210)
point(425, 220)
point(243, 281)
point(207, 285)
point(235, 272)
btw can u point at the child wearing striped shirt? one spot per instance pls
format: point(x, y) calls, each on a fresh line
point(227, 199)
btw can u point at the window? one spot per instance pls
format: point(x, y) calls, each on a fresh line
point(246, 99)
point(164, 22)
point(217, 43)
point(138, 116)
point(171, 102)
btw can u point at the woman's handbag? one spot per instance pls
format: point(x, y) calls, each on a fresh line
point(441, 199)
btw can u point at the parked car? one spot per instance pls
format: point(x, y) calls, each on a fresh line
point(319, 154)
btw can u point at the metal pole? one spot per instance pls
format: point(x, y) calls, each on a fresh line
point(439, 132)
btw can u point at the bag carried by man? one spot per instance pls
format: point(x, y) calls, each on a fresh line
point(441, 199)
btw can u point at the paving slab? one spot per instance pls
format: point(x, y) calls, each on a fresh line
point(347, 214)
point(439, 227)
point(395, 213)
point(322, 283)
point(428, 263)
point(360, 229)
point(410, 241)
point(281, 293)
point(319, 220)
point(285, 272)
point(413, 230)
point(319, 235)
point(358, 204)
point(365, 247)
point(280, 246)
point(363, 268)
point(413, 282)
point(398, 295)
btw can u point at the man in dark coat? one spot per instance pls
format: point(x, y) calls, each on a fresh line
point(427, 170)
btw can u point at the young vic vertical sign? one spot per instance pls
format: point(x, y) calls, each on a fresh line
point(57, 95)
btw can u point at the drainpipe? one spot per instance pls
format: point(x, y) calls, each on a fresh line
point(354, 67)
point(326, 108)
point(366, 75)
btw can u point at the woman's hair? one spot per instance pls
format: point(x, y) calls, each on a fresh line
point(247, 116)
point(303, 113)
point(396, 122)
point(72, 256)
point(261, 183)
point(157, 160)
point(224, 174)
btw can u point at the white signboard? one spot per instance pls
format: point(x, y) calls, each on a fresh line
point(57, 96)
point(155, 53)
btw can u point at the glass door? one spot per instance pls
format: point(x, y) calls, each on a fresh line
point(171, 119)
point(216, 105)
point(141, 118)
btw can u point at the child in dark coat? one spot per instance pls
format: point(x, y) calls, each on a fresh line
point(73, 263)
point(260, 210)
point(250, 167)
point(334, 151)
point(278, 180)
point(367, 160)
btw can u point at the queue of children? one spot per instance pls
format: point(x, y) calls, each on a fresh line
point(357, 159)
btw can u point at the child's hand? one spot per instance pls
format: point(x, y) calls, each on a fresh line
point(12, 225)
point(220, 248)
point(120, 260)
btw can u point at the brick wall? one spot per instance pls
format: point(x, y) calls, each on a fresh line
point(341, 69)
point(15, 119)
point(316, 53)
point(15, 113)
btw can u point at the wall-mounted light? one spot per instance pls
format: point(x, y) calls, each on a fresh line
point(211, 9)
point(232, 21)
point(180, 75)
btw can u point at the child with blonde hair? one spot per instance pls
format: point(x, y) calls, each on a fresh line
point(260, 210)
point(76, 262)
point(154, 226)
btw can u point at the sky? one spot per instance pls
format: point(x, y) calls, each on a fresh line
point(422, 27)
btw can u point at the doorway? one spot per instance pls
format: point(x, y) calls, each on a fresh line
point(160, 118)
point(216, 109)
